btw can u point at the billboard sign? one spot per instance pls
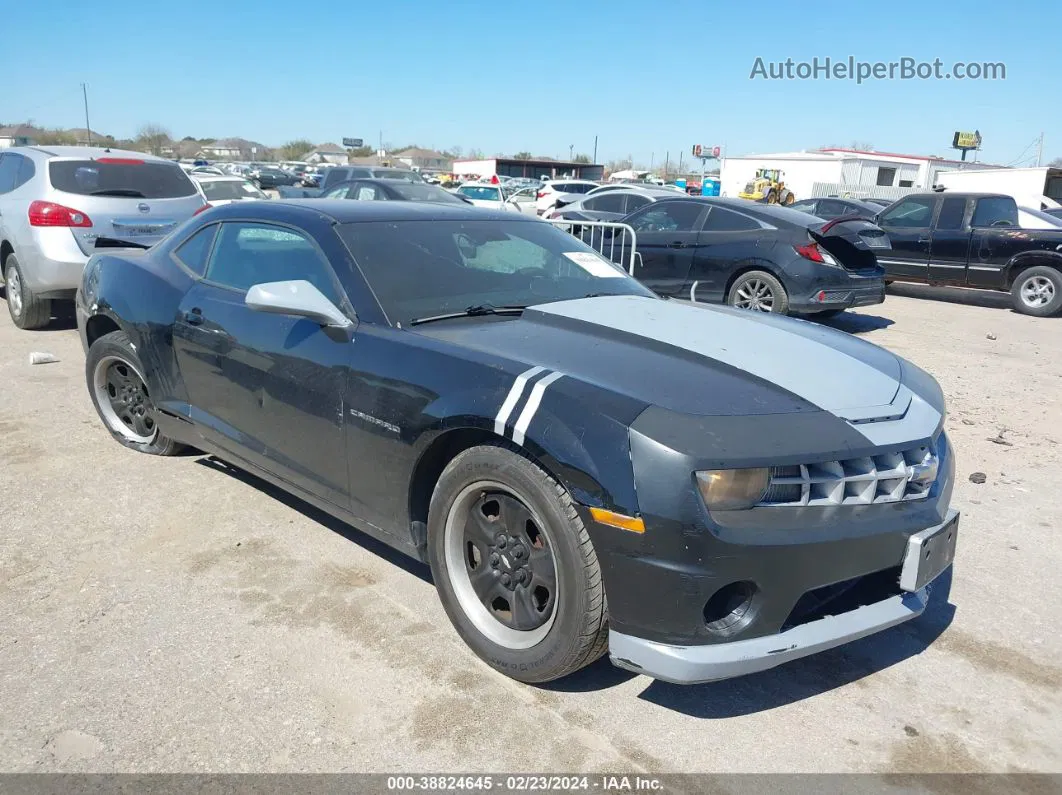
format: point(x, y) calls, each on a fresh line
point(966, 140)
point(353, 143)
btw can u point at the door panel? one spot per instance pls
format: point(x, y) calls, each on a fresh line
point(727, 240)
point(667, 240)
point(908, 225)
point(950, 250)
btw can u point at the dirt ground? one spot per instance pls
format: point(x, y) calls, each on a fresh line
point(175, 615)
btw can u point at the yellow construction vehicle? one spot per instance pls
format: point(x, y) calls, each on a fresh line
point(767, 186)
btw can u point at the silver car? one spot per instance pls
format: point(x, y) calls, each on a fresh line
point(56, 201)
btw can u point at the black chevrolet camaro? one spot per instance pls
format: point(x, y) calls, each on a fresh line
point(700, 491)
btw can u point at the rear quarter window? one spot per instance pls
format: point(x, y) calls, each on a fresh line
point(134, 179)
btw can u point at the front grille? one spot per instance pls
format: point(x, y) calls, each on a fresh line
point(887, 477)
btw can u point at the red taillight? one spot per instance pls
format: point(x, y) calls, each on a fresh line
point(124, 161)
point(810, 251)
point(204, 208)
point(51, 214)
point(541, 194)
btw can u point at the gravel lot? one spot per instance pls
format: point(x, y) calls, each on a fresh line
point(175, 615)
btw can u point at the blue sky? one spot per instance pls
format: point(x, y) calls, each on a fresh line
point(646, 78)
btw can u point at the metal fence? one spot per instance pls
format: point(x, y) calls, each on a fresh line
point(841, 190)
point(618, 242)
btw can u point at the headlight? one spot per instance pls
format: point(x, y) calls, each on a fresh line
point(732, 489)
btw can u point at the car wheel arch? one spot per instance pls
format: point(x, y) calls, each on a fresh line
point(6, 250)
point(752, 265)
point(100, 324)
point(1026, 260)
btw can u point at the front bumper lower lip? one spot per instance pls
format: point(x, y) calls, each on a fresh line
point(687, 665)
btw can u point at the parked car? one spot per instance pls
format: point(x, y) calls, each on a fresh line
point(392, 190)
point(701, 492)
point(1056, 212)
point(213, 170)
point(974, 240)
point(612, 205)
point(494, 197)
point(56, 201)
point(759, 257)
point(311, 179)
point(830, 208)
point(879, 202)
point(271, 177)
point(336, 174)
point(1032, 218)
point(222, 190)
point(550, 191)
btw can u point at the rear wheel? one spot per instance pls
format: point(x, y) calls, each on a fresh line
point(26, 309)
point(120, 395)
point(514, 566)
point(1037, 291)
point(760, 292)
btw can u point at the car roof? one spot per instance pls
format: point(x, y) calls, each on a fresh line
point(954, 194)
point(345, 211)
point(217, 178)
point(89, 153)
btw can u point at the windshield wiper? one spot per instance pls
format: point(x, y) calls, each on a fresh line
point(119, 192)
point(472, 311)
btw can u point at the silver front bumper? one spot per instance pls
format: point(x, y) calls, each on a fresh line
point(712, 662)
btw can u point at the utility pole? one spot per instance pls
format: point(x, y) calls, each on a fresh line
point(652, 158)
point(595, 150)
point(571, 149)
point(667, 162)
point(1040, 151)
point(88, 130)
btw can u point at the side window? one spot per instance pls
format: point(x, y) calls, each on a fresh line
point(634, 202)
point(26, 170)
point(9, 165)
point(606, 203)
point(247, 254)
point(367, 193)
point(342, 192)
point(668, 217)
point(951, 214)
point(810, 207)
point(194, 251)
point(910, 213)
point(830, 209)
point(995, 211)
point(720, 220)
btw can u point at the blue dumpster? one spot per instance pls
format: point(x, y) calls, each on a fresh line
point(710, 187)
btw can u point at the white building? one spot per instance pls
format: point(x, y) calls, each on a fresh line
point(842, 172)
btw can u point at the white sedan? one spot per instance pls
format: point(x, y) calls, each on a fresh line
point(224, 190)
point(497, 198)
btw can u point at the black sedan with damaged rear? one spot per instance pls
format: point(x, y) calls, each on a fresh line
point(751, 256)
point(587, 467)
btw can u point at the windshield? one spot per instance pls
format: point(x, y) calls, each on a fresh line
point(484, 193)
point(121, 177)
point(425, 268)
point(422, 192)
point(230, 189)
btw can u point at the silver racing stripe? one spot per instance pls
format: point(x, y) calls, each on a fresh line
point(528, 414)
point(513, 398)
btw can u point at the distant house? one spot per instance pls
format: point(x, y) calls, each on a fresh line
point(232, 148)
point(81, 137)
point(426, 159)
point(18, 135)
point(326, 153)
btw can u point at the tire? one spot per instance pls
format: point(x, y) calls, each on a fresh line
point(112, 364)
point(1037, 291)
point(540, 526)
point(26, 309)
point(758, 291)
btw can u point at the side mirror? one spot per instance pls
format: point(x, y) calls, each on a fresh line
point(297, 297)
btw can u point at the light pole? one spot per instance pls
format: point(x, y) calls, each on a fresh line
point(571, 149)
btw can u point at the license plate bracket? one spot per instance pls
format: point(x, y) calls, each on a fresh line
point(929, 553)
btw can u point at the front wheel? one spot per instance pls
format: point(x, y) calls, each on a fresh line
point(119, 393)
point(514, 566)
point(760, 292)
point(1037, 291)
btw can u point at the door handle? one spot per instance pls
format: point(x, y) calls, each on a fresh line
point(677, 244)
point(924, 238)
point(193, 317)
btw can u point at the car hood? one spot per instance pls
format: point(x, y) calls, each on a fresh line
point(700, 360)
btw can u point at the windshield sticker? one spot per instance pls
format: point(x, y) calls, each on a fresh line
point(594, 264)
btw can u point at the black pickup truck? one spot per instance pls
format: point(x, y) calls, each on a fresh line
point(973, 240)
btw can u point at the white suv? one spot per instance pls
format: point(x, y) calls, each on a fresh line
point(548, 193)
